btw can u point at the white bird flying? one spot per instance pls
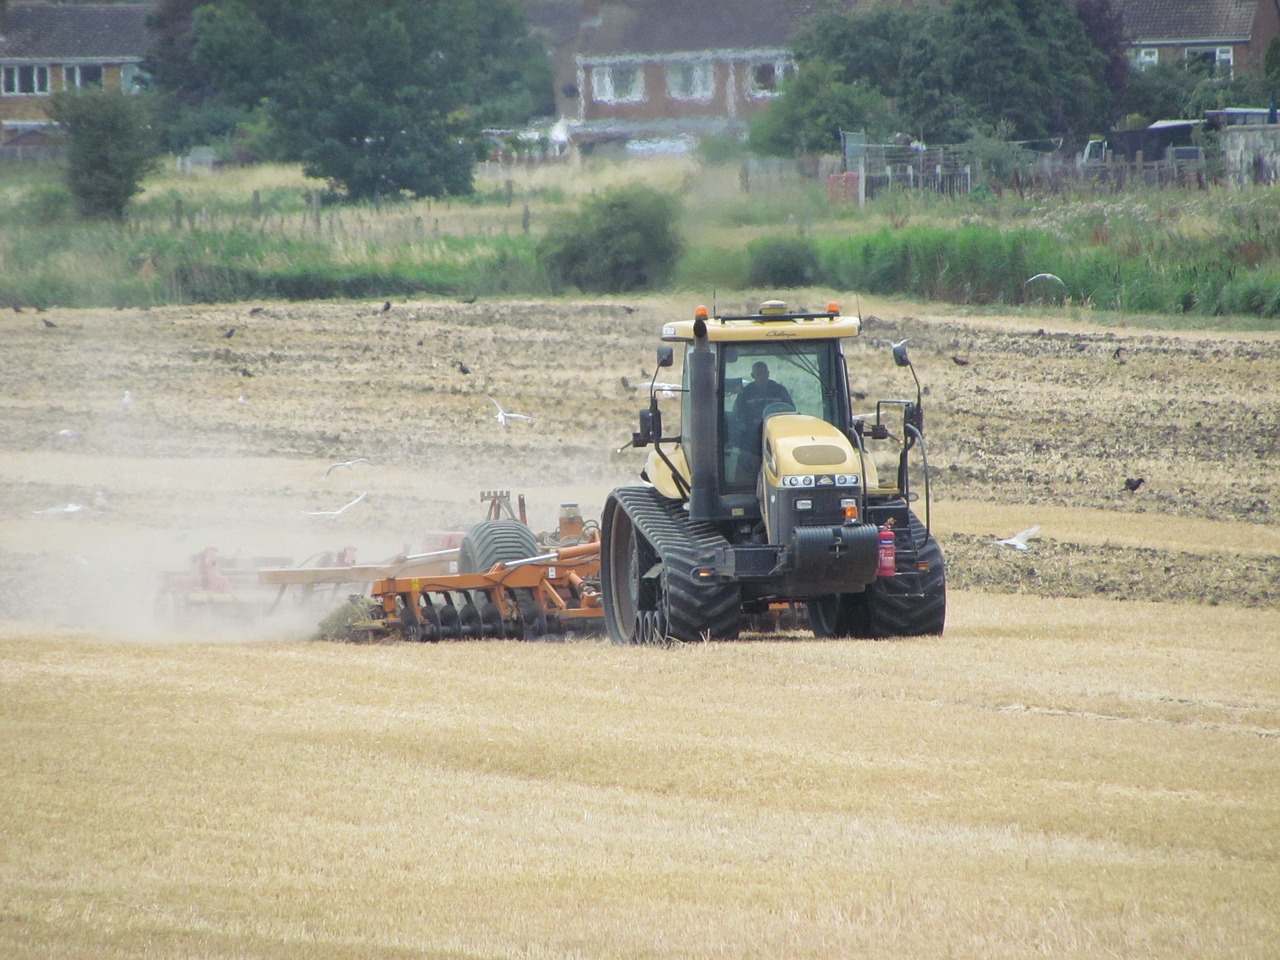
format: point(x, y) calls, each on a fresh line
point(65, 510)
point(347, 463)
point(502, 416)
point(1045, 276)
point(339, 511)
point(1019, 540)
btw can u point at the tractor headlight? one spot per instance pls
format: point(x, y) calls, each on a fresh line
point(804, 504)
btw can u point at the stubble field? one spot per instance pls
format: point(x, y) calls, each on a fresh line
point(1084, 765)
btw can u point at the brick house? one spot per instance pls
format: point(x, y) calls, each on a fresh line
point(662, 74)
point(1231, 35)
point(47, 47)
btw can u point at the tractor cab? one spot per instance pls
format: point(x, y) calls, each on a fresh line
point(776, 381)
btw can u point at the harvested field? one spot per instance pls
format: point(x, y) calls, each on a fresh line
point(1085, 765)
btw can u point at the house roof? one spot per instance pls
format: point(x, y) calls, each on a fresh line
point(76, 31)
point(1185, 20)
point(672, 26)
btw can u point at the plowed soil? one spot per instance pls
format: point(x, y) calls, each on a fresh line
point(236, 412)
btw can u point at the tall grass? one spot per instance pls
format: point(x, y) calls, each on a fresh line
point(270, 232)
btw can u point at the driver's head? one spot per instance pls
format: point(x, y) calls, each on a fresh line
point(759, 371)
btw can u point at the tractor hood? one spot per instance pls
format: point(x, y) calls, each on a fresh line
point(804, 451)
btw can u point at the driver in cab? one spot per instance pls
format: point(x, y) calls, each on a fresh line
point(748, 408)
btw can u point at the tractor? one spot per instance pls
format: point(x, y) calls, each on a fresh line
point(769, 495)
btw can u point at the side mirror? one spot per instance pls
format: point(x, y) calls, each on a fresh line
point(666, 356)
point(650, 427)
point(900, 354)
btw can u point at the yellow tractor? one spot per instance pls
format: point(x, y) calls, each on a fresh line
point(769, 496)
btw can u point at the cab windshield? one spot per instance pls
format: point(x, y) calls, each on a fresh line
point(761, 379)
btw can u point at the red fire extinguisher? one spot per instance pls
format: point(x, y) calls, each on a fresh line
point(888, 565)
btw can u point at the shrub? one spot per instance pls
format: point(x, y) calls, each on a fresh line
point(110, 149)
point(621, 241)
point(781, 262)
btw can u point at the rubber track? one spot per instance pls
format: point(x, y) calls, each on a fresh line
point(889, 609)
point(695, 611)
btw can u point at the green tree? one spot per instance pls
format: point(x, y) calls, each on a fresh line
point(110, 148)
point(953, 70)
point(815, 107)
point(380, 97)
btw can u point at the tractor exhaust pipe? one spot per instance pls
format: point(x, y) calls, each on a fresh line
point(701, 448)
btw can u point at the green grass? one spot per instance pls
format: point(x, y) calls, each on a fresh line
point(1208, 258)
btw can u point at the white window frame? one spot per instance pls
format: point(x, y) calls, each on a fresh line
point(73, 76)
point(605, 85)
point(11, 83)
point(1224, 60)
point(783, 67)
point(1145, 57)
point(132, 78)
point(691, 81)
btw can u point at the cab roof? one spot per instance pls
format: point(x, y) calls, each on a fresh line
point(773, 321)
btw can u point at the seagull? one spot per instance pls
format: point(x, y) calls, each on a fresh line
point(1131, 484)
point(1019, 540)
point(900, 343)
point(347, 463)
point(65, 510)
point(1045, 276)
point(241, 400)
point(502, 416)
point(667, 390)
point(339, 511)
point(68, 434)
point(127, 401)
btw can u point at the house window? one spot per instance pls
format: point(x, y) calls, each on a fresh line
point(690, 81)
point(25, 80)
point(132, 78)
point(617, 83)
point(1220, 60)
point(1146, 57)
point(82, 76)
point(767, 76)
